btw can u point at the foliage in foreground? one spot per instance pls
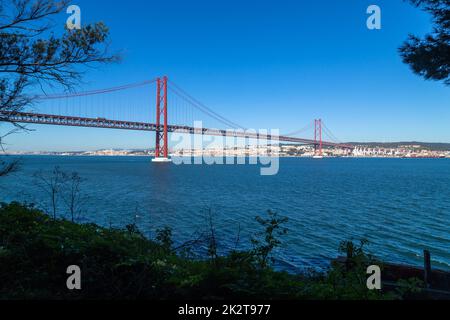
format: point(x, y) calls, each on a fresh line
point(35, 251)
point(429, 56)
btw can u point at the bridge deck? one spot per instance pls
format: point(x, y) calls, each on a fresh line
point(35, 118)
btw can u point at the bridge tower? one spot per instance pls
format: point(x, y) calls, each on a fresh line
point(162, 144)
point(318, 146)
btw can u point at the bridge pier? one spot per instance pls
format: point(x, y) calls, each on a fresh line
point(161, 160)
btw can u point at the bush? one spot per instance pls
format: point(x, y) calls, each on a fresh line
point(36, 250)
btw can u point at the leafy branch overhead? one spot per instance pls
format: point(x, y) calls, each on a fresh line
point(429, 57)
point(31, 52)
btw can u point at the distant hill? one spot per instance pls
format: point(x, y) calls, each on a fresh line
point(424, 145)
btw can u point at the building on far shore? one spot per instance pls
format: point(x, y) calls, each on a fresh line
point(288, 150)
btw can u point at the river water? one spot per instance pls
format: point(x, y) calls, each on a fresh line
point(402, 206)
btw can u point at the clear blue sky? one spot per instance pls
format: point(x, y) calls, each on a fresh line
point(267, 64)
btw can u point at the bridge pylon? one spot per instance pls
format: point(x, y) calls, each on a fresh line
point(318, 145)
point(162, 143)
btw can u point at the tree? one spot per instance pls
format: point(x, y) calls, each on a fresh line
point(5, 166)
point(32, 55)
point(430, 57)
point(51, 184)
point(8, 167)
point(73, 196)
point(265, 242)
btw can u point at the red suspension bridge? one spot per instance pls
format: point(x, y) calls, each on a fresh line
point(115, 108)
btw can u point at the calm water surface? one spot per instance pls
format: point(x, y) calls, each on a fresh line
point(401, 206)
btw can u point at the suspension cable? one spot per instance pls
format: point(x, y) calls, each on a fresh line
point(94, 92)
point(200, 106)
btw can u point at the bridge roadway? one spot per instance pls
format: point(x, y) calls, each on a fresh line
point(47, 119)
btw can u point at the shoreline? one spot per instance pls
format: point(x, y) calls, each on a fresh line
point(206, 155)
